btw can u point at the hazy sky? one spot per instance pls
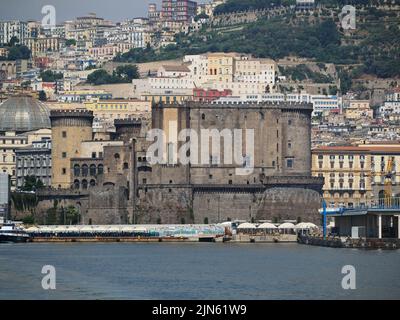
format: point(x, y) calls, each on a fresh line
point(116, 10)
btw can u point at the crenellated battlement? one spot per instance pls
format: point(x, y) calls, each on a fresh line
point(71, 113)
point(283, 105)
point(71, 118)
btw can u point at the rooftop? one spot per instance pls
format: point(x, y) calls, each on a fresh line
point(392, 148)
point(178, 68)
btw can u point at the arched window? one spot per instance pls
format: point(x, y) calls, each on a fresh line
point(77, 170)
point(100, 169)
point(85, 170)
point(203, 116)
point(76, 184)
point(92, 169)
point(126, 166)
point(116, 156)
point(92, 183)
point(84, 184)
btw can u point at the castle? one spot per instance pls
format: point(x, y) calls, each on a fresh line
point(113, 180)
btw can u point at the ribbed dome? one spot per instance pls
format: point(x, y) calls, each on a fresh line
point(22, 114)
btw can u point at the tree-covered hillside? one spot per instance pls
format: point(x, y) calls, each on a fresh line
point(242, 5)
point(373, 48)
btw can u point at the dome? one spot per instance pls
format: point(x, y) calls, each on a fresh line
point(23, 114)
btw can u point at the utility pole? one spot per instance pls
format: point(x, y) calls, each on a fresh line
point(324, 216)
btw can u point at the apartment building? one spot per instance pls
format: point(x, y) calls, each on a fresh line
point(45, 44)
point(178, 10)
point(357, 175)
point(111, 109)
point(255, 70)
point(15, 28)
point(357, 109)
point(391, 108)
point(109, 51)
point(220, 67)
point(83, 95)
point(34, 160)
point(237, 73)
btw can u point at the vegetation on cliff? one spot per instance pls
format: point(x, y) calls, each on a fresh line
point(123, 74)
point(244, 5)
point(372, 48)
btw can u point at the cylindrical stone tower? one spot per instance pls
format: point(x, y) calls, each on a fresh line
point(68, 129)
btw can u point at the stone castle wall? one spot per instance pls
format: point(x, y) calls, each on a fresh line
point(133, 191)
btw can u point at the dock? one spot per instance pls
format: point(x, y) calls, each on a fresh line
point(362, 243)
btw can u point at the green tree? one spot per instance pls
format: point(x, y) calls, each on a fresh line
point(29, 219)
point(99, 77)
point(127, 72)
point(327, 33)
point(26, 84)
point(19, 52)
point(50, 76)
point(122, 74)
point(31, 183)
point(70, 42)
point(71, 215)
point(42, 96)
point(13, 41)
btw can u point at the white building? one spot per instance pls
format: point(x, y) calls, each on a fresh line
point(173, 71)
point(391, 107)
point(324, 103)
point(240, 74)
point(15, 28)
point(320, 103)
point(255, 70)
point(137, 32)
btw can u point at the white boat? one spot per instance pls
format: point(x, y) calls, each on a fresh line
point(9, 232)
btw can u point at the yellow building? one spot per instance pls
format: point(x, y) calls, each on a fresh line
point(355, 175)
point(112, 109)
point(167, 97)
point(358, 109)
point(221, 67)
point(45, 44)
point(69, 129)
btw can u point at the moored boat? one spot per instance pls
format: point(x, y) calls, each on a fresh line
point(9, 232)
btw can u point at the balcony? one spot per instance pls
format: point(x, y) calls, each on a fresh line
point(344, 189)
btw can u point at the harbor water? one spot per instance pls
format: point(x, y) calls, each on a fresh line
point(196, 271)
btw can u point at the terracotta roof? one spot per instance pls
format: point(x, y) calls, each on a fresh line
point(372, 149)
point(340, 148)
point(385, 149)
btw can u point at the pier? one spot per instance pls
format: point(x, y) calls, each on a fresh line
point(126, 233)
point(333, 242)
point(376, 226)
